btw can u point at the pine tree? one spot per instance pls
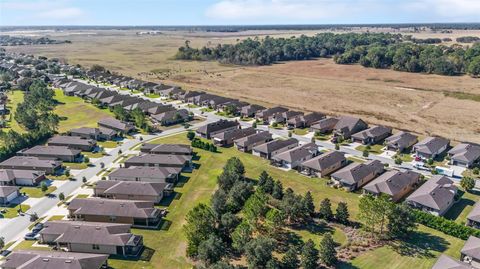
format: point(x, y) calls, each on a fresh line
point(290, 260)
point(342, 215)
point(325, 211)
point(277, 190)
point(309, 255)
point(308, 204)
point(327, 253)
point(262, 179)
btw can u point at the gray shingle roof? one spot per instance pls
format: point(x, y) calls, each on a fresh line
point(297, 153)
point(167, 148)
point(355, 172)
point(254, 138)
point(12, 174)
point(51, 151)
point(36, 259)
point(216, 126)
point(402, 139)
point(475, 213)
point(160, 173)
point(472, 247)
point(108, 207)
point(71, 140)
point(275, 145)
point(163, 159)
point(131, 187)
point(437, 193)
point(347, 122)
point(392, 182)
point(431, 145)
point(325, 160)
point(7, 190)
point(372, 132)
point(465, 152)
point(235, 134)
point(23, 161)
point(445, 262)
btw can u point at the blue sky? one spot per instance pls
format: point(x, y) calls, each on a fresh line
point(221, 12)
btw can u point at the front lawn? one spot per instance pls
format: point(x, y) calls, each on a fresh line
point(74, 112)
point(108, 144)
point(12, 210)
point(56, 217)
point(323, 137)
point(374, 149)
point(76, 166)
point(404, 157)
point(207, 109)
point(420, 251)
point(36, 192)
point(299, 131)
point(95, 155)
point(152, 95)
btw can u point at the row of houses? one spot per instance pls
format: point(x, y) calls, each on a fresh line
point(159, 114)
point(102, 224)
point(469, 257)
point(435, 196)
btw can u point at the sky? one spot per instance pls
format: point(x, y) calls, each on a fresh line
point(234, 12)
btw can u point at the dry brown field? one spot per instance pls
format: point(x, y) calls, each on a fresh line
point(415, 102)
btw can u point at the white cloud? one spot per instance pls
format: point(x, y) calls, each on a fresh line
point(336, 11)
point(43, 12)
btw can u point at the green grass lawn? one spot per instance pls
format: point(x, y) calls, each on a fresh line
point(76, 166)
point(316, 234)
point(207, 109)
point(75, 112)
point(357, 160)
point(323, 137)
point(405, 157)
point(299, 131)
point(14, 98)
point(192, 106)
point(92, 154)
point(223, 114)
point(56, 217)
point(11, 211)
point(375, 149)
point(420, 251)
point(36, 192)
point(28, 245)
point(152, 95)
point(107, 144)
point(460, 210)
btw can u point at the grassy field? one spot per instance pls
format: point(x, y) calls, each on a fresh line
point(12, 212)
point(419, 252)
point(14, 98)
point(460, 210)
point(36, 192)
point(76, 113)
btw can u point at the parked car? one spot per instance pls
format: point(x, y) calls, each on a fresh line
point(5, 253)
point(31, 236)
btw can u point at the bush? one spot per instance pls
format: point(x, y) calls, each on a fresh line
point(190, 135)
point(86, 159)
point(476, 171)
point(444, 225)
point(197, 143)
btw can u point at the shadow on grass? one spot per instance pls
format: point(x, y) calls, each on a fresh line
point(420, 245)
point(167, 200)
point(182, 181)
point(345, 265)
point(145, 255)
point(165, 224)
point(454, 212)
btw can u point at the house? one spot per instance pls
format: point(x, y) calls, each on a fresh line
point(435, 196)
point(171, 117)
point(185, 97)
point(470, 252)
point(250, 111)
point(324, 126)
point(264, 115)
point(305, 121)
point(9, 177)
point(146, 174)
point(401, 141)
point(137, 213)
point(34, 259)
point(73, 142)
point(52, 152)
point(226, 138)
point(210, 129)
point(323, 164)
point(292, 158)
point(473, 218)
point(431, 147)
point(8, 194)
point(92, 237)
point(372, 135)
point(269, 149)
point(160, 160)
point(247, 143)
point(131, 190)
point(116, 125)
point(465, 155)
point(93, 133)
point(346, 126)
point(283, 117)
point(445, 262)
point(356, 175)
point(168, 149)
point(31, 163)
point(233, 107)
point(393, 183)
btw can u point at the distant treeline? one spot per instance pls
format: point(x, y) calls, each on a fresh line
point(468, 39)
point(377, 50)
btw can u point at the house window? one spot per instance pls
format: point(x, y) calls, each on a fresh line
point(113, 218)
point(97, 247)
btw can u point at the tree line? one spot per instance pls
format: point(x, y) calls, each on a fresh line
point(376, 50)
point(36, 115)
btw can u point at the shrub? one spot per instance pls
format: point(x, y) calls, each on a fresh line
point(444, 225)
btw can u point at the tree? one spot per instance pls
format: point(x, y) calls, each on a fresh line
point(190, 135)
point(274, 220)
point(120, 113)
point(337, 146)
point(290, 259)
point(262, 179)
point(327, 252)
point(374, 212)
point(254, 124)
point(238, 194)
point(398, 161)
point(84, 179)
point(342, 215)
point(2, 242)
point(309, 255)
point(476, 171)
point(277, 192)
point(43, 186)
point(255, 208)
point(325, 211)
point(467, 183)
point(401, 221)
point(228, 223)
point(290, 133)
point(234, 165)
point(241, 236)
point(139, 118)
point(219, 203)
point(211, 250)
point(200, 224)
point(221, 265)
point(308, 204)
point(61, 196)
point(365, 153)
point(86, 159)
point(259, 252)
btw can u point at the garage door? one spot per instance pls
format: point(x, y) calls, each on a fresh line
point(12, 196)
point(24, 182)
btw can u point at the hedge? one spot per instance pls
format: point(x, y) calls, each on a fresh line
point(446, 226)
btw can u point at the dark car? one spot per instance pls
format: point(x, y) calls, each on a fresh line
point(5, 253)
